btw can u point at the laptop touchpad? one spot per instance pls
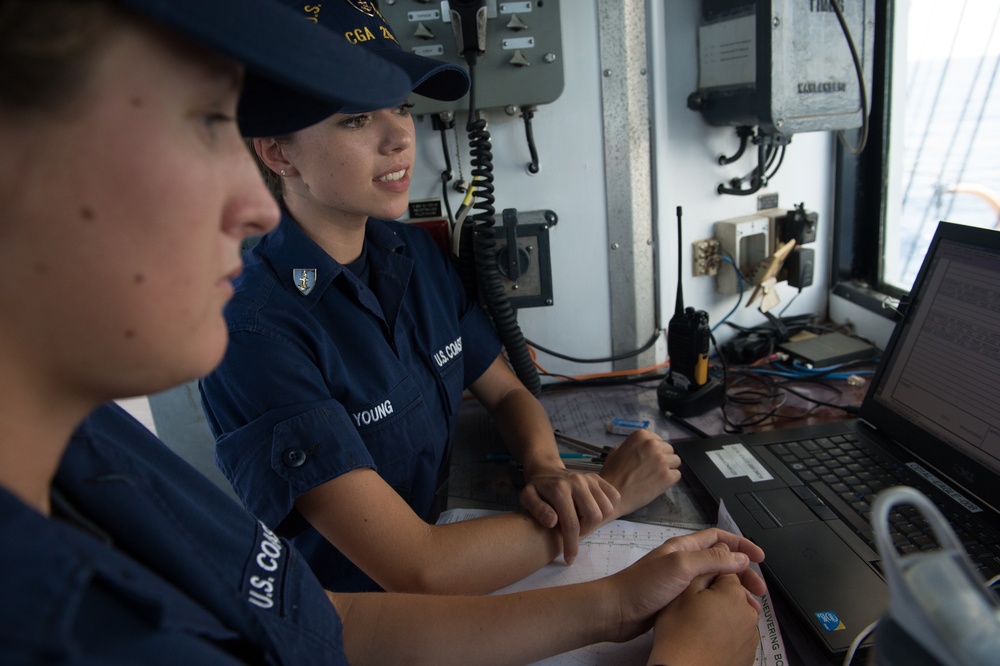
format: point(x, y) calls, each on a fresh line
point(777, 507)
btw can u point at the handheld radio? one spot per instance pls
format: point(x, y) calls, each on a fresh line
point(687, 346)
point(687, 390)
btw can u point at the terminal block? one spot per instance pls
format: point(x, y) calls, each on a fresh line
point(707, 257)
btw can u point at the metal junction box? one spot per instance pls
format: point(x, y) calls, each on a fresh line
point(523, 62)
point(783, 65)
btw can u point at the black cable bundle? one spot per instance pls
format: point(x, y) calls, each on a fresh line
point(750, 344)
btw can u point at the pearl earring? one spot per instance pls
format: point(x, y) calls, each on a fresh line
point(282, 172)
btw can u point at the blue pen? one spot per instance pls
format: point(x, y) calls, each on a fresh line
point(506, 457)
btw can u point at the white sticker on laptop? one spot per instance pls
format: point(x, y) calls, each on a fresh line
point(734, 460)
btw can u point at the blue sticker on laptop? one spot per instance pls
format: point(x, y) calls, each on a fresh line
point(830, 621)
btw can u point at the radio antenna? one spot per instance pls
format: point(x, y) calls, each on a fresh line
point(679, 302)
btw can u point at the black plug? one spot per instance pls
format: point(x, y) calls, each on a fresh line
point(800, 265)
point(798, 224)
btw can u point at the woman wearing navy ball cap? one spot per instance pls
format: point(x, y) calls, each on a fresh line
point(352, 343)
point(126, 191)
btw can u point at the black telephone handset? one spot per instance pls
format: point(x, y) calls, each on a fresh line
point(468, 20)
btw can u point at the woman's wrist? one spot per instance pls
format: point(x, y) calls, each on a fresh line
point(536, 463)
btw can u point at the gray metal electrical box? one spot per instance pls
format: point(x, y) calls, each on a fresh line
point(783, 65)
point(526, 274)
point(522, 64)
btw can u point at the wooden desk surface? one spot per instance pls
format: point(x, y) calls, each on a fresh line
point(582, 412)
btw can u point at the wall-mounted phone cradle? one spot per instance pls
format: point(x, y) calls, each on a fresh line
point(526, 275)
point(522, 65)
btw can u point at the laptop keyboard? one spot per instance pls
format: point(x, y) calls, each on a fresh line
point(847, 475)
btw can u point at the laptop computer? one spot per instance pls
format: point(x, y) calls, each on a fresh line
point(930, 419)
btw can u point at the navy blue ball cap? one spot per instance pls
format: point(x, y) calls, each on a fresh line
point(304, 70)
point(360, 23)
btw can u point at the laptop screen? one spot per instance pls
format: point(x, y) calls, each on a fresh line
point(941, 373)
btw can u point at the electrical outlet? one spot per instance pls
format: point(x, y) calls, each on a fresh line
point(707, 257)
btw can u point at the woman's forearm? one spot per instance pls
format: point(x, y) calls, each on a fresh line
point(503, 629)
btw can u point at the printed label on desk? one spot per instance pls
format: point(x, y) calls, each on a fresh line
point(734, 460)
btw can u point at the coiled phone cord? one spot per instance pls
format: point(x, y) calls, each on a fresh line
point(479, 236)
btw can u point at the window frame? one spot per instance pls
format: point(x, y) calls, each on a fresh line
point(860, 188)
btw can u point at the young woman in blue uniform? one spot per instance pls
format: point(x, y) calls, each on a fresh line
point(352, 341)
point(126, 192)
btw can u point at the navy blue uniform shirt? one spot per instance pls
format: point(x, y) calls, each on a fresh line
point(145, 561)
point(327, 372)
